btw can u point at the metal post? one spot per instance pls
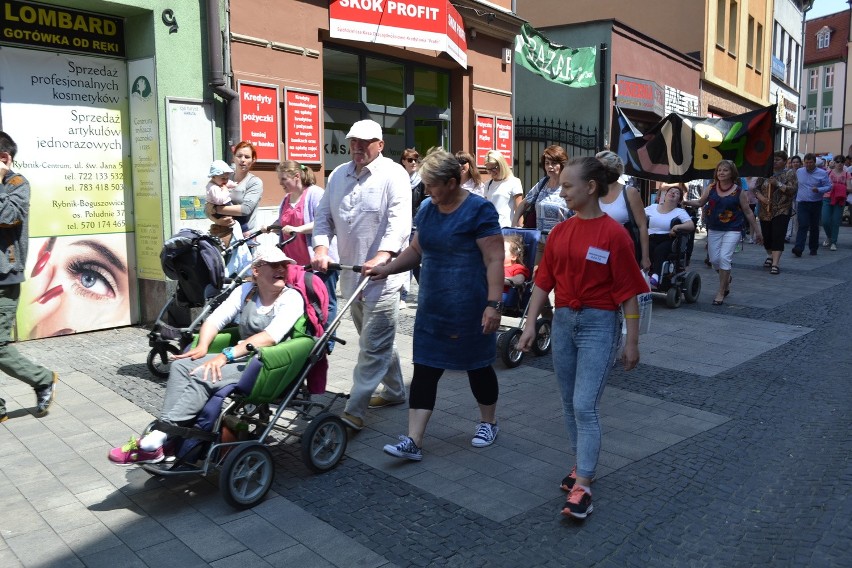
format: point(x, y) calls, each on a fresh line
point(603, 96)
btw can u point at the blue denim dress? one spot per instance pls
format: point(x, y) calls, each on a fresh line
point(453, 286)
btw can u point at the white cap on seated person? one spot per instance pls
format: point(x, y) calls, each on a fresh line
point(365, 130)
point(219, 167)
point(269, 255)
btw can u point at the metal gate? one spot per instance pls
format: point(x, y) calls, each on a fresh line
point(533, 135)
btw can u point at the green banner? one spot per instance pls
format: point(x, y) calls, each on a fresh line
point(573, 67)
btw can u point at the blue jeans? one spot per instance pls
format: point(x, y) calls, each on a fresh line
point(809, 217)
point(831, 217)
point(585, 343)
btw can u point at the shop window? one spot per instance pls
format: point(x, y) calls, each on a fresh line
point(385, 83)
point(340, 75)
point(431, 88)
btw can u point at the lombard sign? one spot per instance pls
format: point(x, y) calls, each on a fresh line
point(640, 94)
point(426, 24)
point(62, 29)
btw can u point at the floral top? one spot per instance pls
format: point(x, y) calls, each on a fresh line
point(725, 213)
point(780, 196)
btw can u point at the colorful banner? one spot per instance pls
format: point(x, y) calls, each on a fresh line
point(69, 116)
point(572, 67)
point(503, 138)
point(684, 148)
point(145, 167)
point(259, 119)
point(303, 143)
point(484, 137)
point(426, 24)
point(61, 29)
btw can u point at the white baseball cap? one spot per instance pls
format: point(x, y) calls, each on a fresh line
point(269, 254)
point(219, 167)
point(365, 130)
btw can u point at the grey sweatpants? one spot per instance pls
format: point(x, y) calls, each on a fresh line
point(187, 394)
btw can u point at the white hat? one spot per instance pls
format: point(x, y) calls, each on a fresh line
point(219, 167)
point(266, 254)
point(365, 130)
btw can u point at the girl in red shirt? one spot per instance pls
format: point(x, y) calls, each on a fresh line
point(589, 260)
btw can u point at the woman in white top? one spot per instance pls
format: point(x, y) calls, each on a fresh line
point(664, 219)
point(615, 202)
point(470, 178)
point(504, 190)
point(545, 197)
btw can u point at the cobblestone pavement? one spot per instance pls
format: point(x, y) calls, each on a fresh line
point(739, 459)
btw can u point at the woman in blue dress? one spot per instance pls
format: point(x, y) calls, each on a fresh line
point(459, 247)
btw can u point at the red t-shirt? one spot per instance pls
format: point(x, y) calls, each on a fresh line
point(591, 263)
point(514, 270)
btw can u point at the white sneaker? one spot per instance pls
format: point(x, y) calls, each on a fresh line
point(833, 247)
point(826, 243)
point(485, 435)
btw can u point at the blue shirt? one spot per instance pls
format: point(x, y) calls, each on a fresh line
point(818, 178)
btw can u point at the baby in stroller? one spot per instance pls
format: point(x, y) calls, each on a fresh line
point(515, 272)
point(266, 310)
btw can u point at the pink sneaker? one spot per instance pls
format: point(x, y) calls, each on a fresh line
point(131, 454)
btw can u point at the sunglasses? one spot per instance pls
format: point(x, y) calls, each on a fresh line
point(411, 160)
point(273, 265)
point(491, 169)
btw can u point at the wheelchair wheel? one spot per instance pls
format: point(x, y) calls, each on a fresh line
point(507, 345)
point(673, 297)
point(692, 287)
point(324, 442)
point(158, 360)
point(541, 346)
point(247, 475)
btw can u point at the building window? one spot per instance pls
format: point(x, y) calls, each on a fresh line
point(813, 80)
point(732, 28)
point(721, 5)
point(823, 37)
point(758, 48)
point(826, 117)
point(828, 74)
point(811, 119)
point(750, 47)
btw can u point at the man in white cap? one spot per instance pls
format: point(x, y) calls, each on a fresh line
point(367, 205)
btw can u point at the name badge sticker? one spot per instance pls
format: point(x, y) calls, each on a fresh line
point(597, 255)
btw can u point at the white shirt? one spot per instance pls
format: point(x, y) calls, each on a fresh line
point(502, 194)
point(661, 223)
point(288, 308)
point(474, 188)
point(367, 213)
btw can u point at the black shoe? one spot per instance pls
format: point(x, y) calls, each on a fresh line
point(797, 252)
point(45, 396)
point(813, 253)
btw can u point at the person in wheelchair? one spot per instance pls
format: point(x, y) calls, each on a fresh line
point(266, 310)
point(665, 219)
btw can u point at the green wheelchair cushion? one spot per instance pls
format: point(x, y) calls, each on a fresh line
point(280, 365)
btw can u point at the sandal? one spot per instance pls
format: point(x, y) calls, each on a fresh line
point(728, 289)
point(718, 302)
point(774, 270)
point(768, 262)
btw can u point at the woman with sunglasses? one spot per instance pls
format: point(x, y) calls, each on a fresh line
point(471, 180)
point(410, 160)
point(504, 190)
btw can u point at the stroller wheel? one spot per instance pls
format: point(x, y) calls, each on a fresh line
point(692, 287)
point(542, 337)
point(158, 360)
point(247, 475)
point(324, 442)
point(507, 345)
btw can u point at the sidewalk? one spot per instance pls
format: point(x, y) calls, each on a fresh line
point(64, 504)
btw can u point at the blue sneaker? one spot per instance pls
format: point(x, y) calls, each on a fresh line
point(406, 448)
point(45, 396)
point(485, 435)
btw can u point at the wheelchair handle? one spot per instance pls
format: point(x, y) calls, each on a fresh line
point(336, 266)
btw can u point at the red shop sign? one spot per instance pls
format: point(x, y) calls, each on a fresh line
point(484, 137)
point(303, 141)
point(259, 119)
point(503, 138)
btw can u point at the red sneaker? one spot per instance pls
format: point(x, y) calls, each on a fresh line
point(579, 503)
point(131, 454)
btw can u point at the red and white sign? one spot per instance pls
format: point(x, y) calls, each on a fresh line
point(426, 24)
point(303, 142)
point(484, 137)
point(503, 138)
point(259, 119)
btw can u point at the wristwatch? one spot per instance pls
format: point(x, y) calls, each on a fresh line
point(496, 305)
point(228, 352)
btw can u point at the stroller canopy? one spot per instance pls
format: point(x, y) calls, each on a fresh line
point(194, 259)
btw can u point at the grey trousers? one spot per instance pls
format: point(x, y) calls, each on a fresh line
point(187, 394)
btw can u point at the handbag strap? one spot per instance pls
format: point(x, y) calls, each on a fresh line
point(630, 218)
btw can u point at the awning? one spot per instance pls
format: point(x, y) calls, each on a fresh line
point(426, 24)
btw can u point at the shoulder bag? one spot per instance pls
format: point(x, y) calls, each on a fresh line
point(632, 227)
point(530, 219)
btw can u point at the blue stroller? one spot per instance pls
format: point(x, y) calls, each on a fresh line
point(516, 303)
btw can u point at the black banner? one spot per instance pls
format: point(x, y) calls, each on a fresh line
point(684, 148)
point(60, 29)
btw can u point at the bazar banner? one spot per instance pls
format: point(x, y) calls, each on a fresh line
point(572, 67)
point(61, 29)
point(68, 115)
point(302, 110)
point(259, 119)
point(425, 24)
point(503, 138)
point(683, 148)
point(484, 137)
point(145, 168)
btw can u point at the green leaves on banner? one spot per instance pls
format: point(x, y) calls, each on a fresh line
point(564, 65)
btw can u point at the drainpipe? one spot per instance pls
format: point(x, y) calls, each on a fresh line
point(217, 74)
